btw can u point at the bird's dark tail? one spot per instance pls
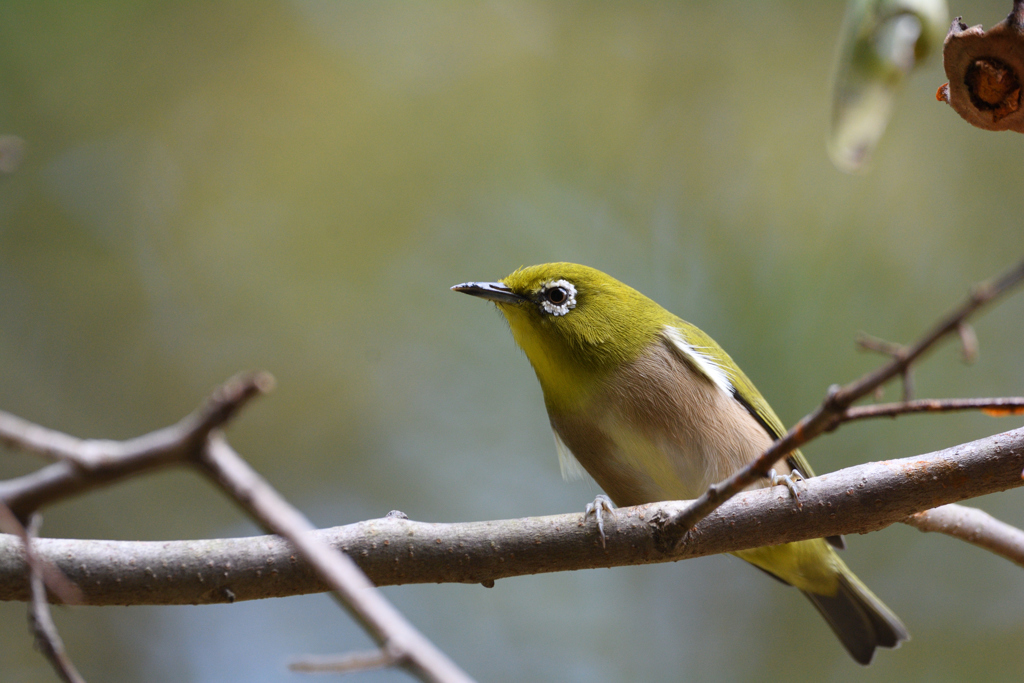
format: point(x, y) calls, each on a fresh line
point(861, 621)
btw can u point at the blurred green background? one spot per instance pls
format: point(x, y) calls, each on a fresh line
point(293, 186)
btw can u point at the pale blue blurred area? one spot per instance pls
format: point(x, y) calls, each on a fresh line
point(294, 186)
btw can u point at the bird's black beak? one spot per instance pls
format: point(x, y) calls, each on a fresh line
point(495, 291)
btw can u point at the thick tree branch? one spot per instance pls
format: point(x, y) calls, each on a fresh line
point(394, 551)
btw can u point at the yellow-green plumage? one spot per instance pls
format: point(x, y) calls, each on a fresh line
point(653, 409)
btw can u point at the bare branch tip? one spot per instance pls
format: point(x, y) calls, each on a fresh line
point(832, 400)
point(229, 397)
point(244, 385)
point(868, 342)
point(264, 381)
point(968, 342)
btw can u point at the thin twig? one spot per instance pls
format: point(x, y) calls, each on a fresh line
point(56, 582)
point(385, 624)
point(830, 413)
point(343, 664)
point(893, 350)
point(994, 407)
point(397, 551)
point(48, 640)
point(975, 527)
point(870, 342)
point(95, 454)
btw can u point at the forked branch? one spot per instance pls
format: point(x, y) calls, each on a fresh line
point(87, 464)
point(833, 411)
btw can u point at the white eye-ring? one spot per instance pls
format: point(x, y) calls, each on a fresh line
point(558, 297)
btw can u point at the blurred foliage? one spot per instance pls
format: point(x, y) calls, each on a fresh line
point(294, 185)
point(882, 42)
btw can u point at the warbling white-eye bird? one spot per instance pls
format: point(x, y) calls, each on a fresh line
point(653, 409)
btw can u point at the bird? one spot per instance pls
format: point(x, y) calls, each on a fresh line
point(653, 409)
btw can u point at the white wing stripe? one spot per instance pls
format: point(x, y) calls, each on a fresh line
point(704, 364)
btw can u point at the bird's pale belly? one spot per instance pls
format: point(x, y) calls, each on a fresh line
point(636, 466)
point(658, 430)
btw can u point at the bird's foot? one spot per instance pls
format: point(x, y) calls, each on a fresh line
point(789, 480)
point(601, 505)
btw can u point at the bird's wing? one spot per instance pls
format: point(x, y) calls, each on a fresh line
point(713, 362)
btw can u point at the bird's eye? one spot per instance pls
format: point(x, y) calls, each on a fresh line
point(557, 295)
point(557, 298)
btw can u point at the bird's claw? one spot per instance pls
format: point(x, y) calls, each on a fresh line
point(600, 505)
point(789, 480)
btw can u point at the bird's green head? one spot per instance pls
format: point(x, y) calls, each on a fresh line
point(574, 323)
